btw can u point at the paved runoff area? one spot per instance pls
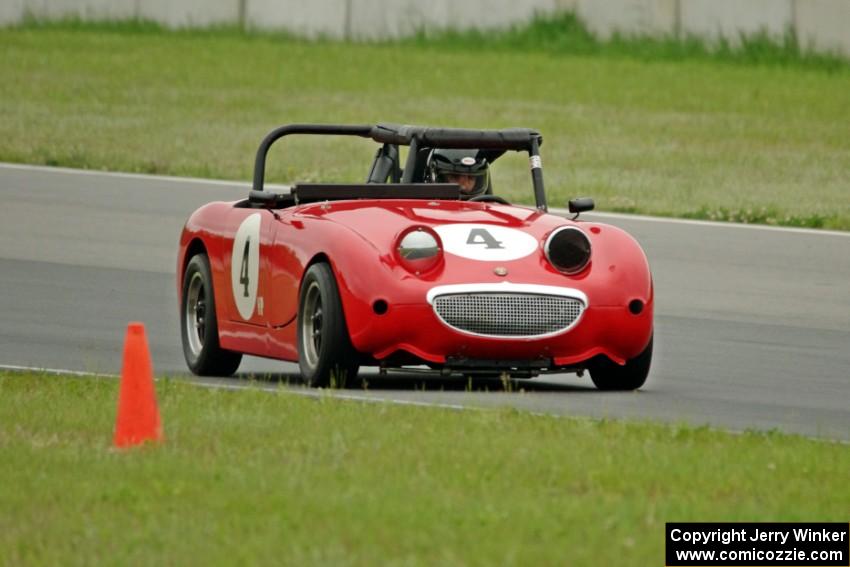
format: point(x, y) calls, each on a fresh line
point(752, 323)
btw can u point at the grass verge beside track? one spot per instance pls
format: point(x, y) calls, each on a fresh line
point(654, 127)
point(248, 477)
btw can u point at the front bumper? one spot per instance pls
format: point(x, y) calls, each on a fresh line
point(612, 331)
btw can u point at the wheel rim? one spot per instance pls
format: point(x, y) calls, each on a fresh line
point(312, 320)
point(196, 314)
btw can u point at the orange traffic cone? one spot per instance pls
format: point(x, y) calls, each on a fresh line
point(138, 417)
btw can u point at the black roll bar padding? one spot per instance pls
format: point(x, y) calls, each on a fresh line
point(364, 131)
point(537, 176)
point(518, 139)
point(410, 164)
point(385, 165)
point(262, 197)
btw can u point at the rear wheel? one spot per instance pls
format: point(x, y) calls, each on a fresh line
point(608, 375)
point(199, 326)
point(325, 354)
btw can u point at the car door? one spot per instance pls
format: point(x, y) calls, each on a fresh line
point(286, 268)
point(245, 274)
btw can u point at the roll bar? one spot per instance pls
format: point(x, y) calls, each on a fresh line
point(278, 133)
point(517, 139)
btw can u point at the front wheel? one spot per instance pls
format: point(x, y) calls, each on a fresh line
point(325, 354)
point(608, 375)
point(199, 326)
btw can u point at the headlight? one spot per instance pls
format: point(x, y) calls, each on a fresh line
point(568, 249)
point(419, 250)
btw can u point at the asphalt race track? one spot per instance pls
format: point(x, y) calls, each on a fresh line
point(752, 324)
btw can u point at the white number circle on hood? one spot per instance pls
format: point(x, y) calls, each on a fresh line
point(486, 242)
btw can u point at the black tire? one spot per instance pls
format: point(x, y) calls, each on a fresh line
point(608, 375)
point(198, 323)
point(325, 354)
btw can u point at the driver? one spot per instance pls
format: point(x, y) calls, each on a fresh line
point(462, 167)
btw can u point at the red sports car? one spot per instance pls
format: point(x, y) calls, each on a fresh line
point(420, 265)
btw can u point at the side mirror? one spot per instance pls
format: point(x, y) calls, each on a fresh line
point(581, 205)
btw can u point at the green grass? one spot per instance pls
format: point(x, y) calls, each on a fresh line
point(249, 477)
point(566, 34)
point(758, 133)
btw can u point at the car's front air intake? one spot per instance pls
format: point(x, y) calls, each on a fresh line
point(508, 314)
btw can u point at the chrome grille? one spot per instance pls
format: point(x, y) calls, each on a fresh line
point(508, 314)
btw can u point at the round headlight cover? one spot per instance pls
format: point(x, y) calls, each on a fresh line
point(568, 249)
point(419, 249)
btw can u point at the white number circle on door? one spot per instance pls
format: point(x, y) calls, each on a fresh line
point(486, 242)
point(245, 265)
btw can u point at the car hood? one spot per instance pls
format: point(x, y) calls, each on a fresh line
point(484, 243)
point(380, 222)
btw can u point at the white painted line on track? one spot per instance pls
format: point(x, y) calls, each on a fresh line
point(121, 175)
point(701, 223)
point(278, 389)
point(318, 394)
point(15, 368)
point(555, 210)
point(323, 393)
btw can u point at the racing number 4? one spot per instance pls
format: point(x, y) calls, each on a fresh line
point(245, 265)
point(243, 270)
point(483, 236)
